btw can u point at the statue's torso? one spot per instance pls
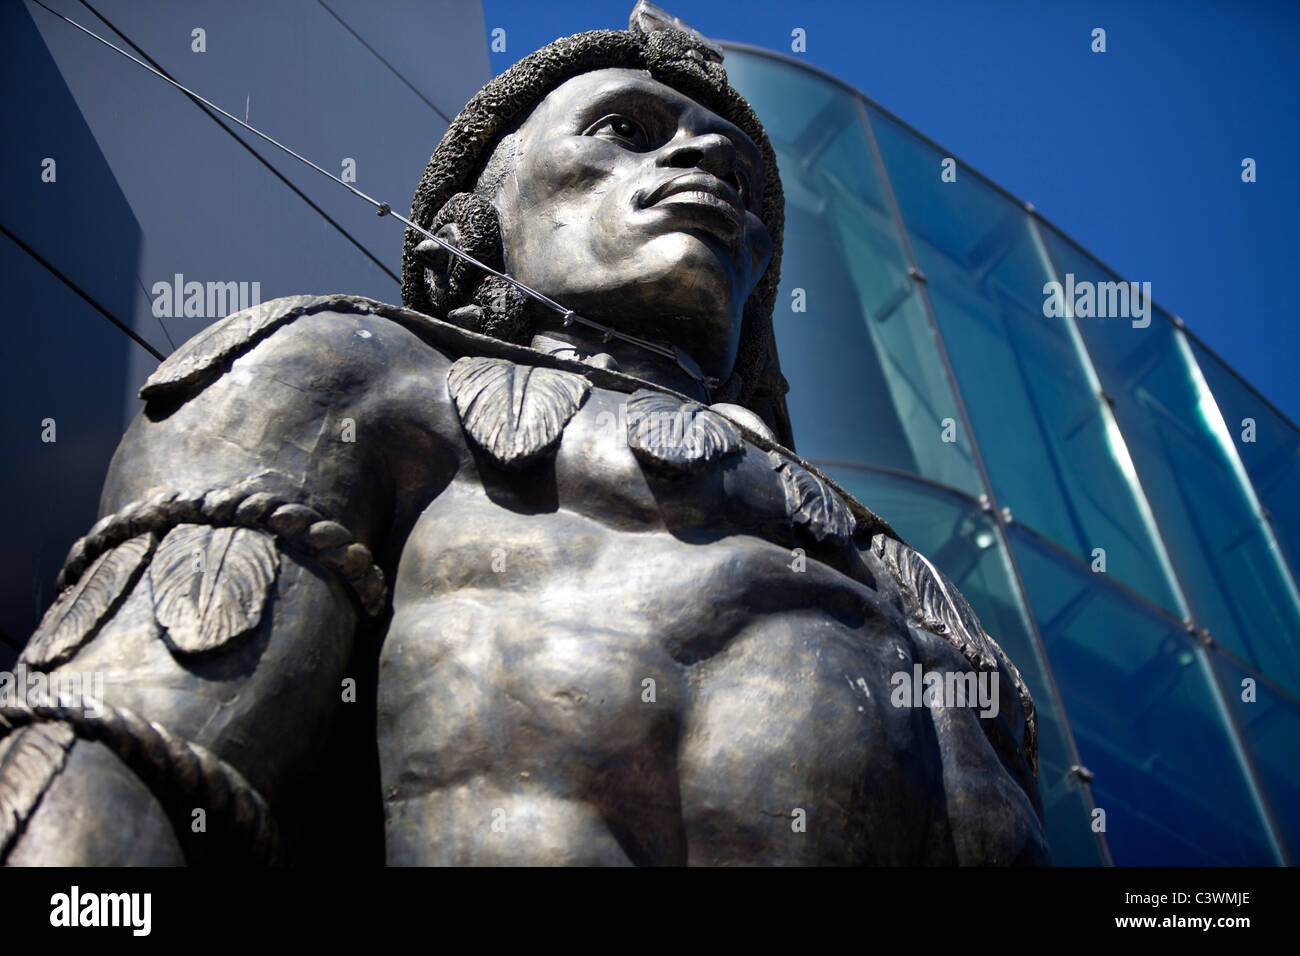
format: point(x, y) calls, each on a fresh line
point(593, 661)
point(592, 656)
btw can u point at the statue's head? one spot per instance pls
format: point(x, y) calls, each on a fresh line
point(619, 174)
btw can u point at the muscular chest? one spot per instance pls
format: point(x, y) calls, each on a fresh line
point(541, 441)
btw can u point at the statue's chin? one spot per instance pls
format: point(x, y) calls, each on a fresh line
point(674, 274)
point(699, 254)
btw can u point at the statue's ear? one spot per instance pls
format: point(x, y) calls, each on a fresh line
point(438, 263)
point(468, 222)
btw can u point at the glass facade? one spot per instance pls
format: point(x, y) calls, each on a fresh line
point(1117, 505)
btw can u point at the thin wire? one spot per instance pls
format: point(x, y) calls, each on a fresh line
point(253, 152)
point(206, 102)
point(392, 69)
point(170, 343)
point(82, 292)
point(384, 209)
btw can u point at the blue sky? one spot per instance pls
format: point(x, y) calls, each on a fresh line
point(1136, 153)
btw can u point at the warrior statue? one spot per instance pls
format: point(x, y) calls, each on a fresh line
point(477, 581)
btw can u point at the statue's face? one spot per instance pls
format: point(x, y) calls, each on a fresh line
point(633, 204)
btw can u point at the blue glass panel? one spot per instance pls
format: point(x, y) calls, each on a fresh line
point(1145, 717)
point(1269, 446)
point(1185, 455)
point(1269, 722)
point(864, 350)
point(1053, 455)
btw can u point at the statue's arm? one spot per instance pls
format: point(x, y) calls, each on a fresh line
point(987, 743)
point(218, 603)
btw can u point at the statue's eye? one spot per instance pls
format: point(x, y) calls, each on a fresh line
point(622, 129)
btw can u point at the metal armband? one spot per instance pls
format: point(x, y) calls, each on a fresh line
point(237, 528)
point(151, 545)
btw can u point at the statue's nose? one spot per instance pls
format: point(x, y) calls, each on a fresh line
point(712, 152)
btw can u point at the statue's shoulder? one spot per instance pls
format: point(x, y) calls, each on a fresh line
point(343, 336)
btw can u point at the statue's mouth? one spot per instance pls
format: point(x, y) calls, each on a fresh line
point(698, 189)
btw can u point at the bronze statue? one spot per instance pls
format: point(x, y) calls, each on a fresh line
point(559, 567)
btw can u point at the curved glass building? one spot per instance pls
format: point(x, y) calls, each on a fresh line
point(1117, 505)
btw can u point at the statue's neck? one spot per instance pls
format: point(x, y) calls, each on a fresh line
point(588, 345)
